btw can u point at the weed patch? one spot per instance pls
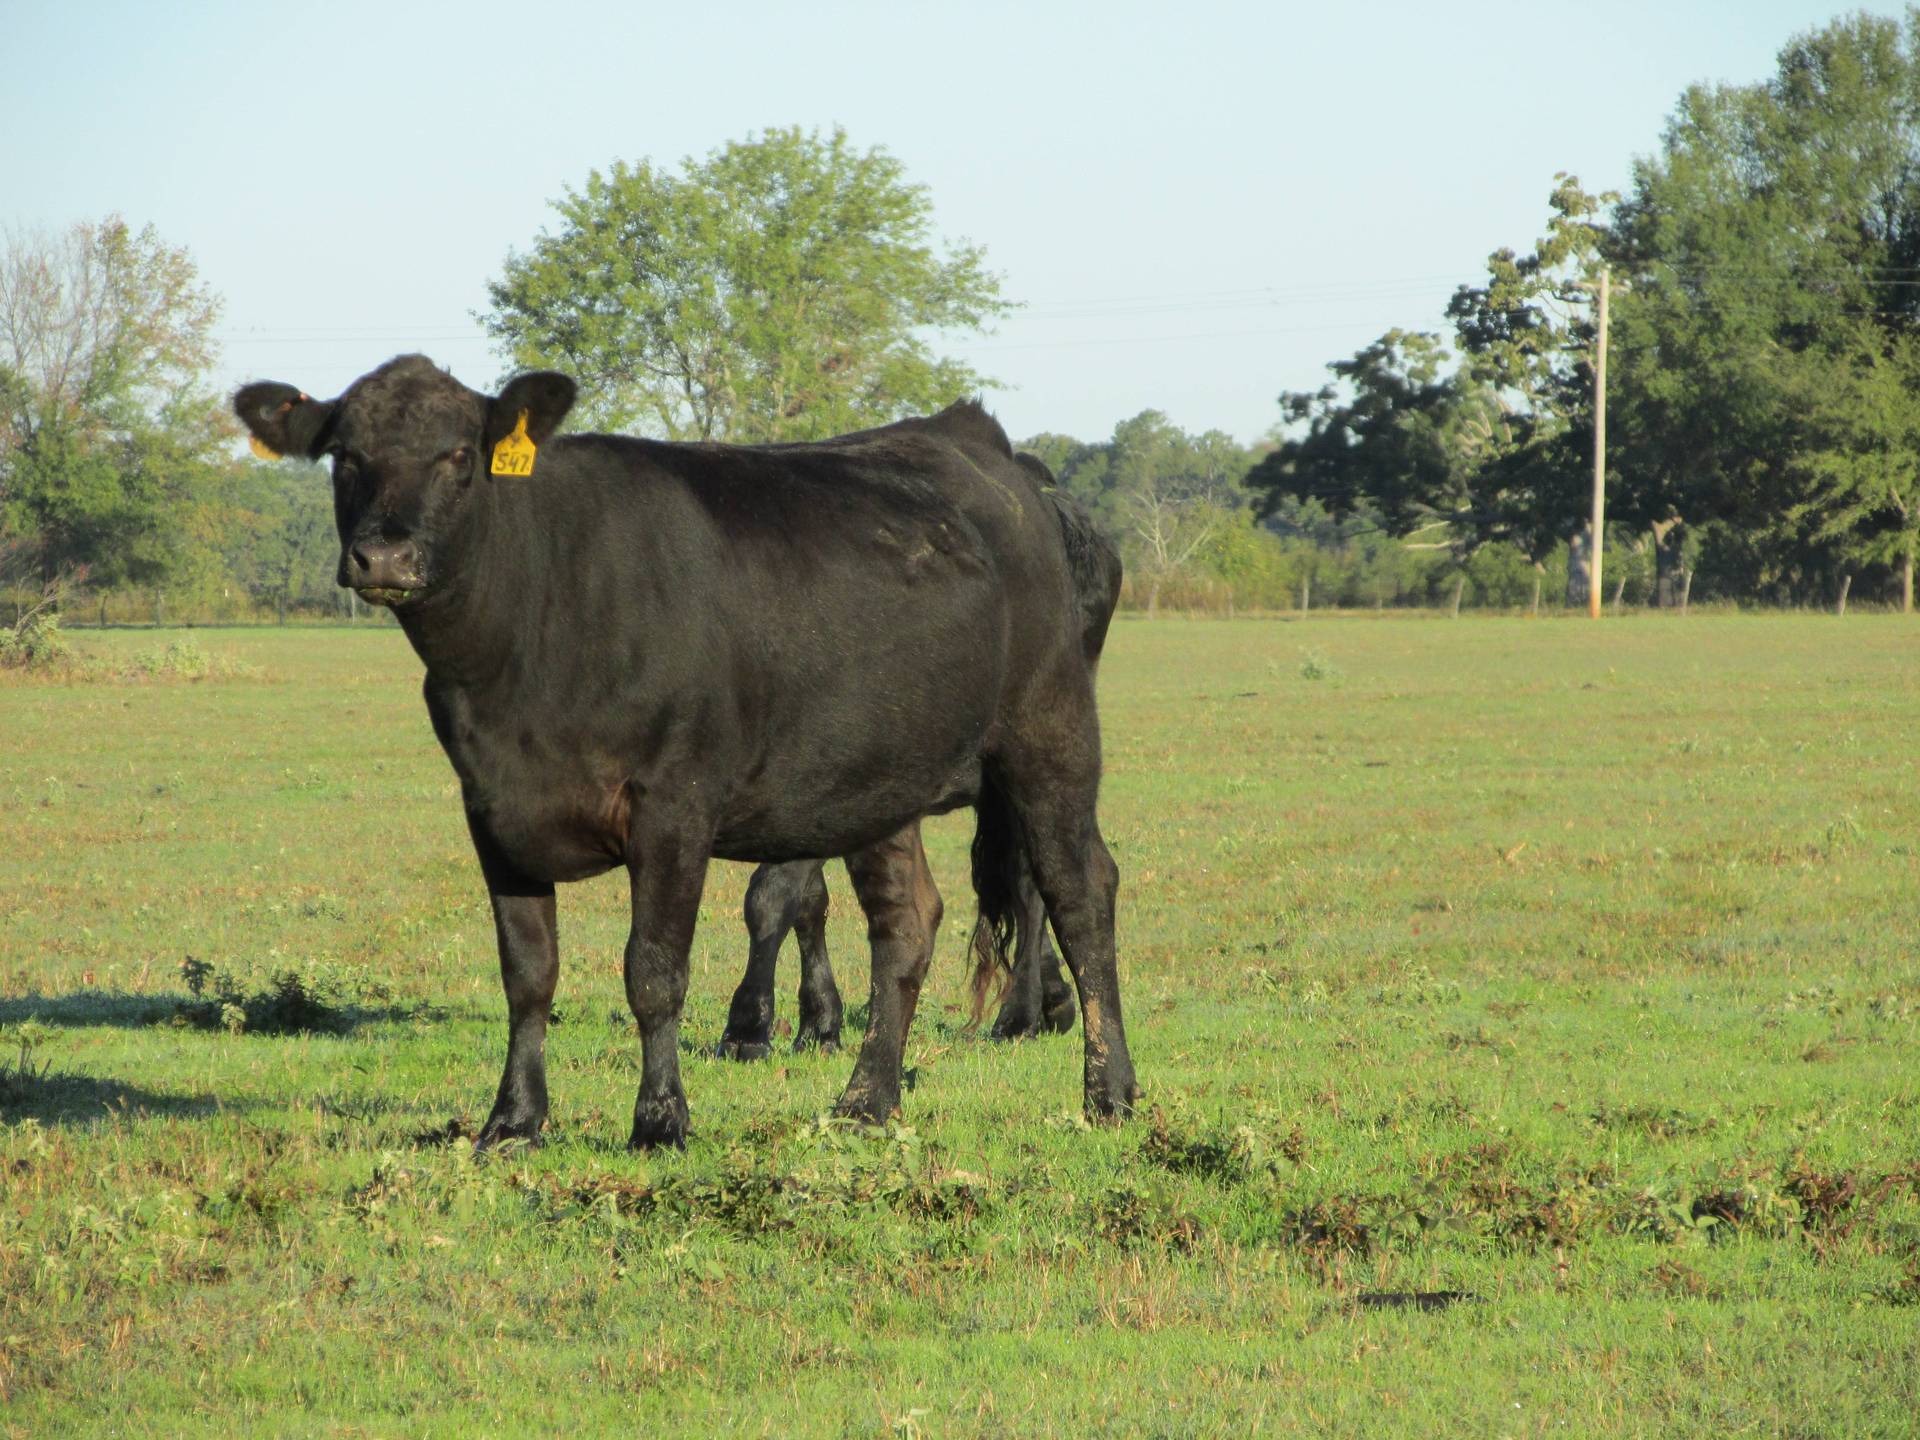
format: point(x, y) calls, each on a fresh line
point(1134, 1215)
point(1231, 1156)
point(288, 1005)
point(36, 645)
point(1657, 1121)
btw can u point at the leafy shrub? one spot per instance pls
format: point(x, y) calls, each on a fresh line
point(20, 1076)
point(36, 643)
point(37, 647)
point(1314, 665)
point(1232, 1156)
point(290, 1005)
point(1135, 1215)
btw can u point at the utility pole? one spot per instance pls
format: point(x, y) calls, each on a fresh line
point(1599, 449)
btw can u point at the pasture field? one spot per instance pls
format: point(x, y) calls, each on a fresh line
point(1574, 968)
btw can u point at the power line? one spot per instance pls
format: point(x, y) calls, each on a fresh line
point(1251, 298)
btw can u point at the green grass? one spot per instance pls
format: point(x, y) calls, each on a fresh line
point(1570, 967)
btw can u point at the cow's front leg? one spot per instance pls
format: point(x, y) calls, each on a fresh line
point(667, 865)
point(525, 926)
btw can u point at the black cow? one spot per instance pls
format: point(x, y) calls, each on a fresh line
point(793, 897)
point(649, 654)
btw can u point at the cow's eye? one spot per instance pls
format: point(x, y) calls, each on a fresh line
point(459, 456)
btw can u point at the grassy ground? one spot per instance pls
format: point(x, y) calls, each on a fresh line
point(1569, 967)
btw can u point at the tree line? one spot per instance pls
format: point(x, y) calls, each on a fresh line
point(1763, 416)
point(1764, 392)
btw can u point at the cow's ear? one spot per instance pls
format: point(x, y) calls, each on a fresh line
point(282, 419)
point(544, 395)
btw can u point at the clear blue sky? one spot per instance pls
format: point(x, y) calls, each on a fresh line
point(1200, 204)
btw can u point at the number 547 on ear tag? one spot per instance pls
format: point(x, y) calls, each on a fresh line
point(514, 453)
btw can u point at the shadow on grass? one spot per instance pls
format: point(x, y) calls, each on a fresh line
point(90, 1007)
point(54, 1098)
point(84, 1008)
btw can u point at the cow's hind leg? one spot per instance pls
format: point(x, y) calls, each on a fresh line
point(667, 867)
point(820, 1008)
point(776, 896)
point(1052, 784)
point(1038, 999)
point(903, 913)
point(1056, 995)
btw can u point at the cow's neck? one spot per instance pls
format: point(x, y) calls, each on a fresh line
point(463, 632)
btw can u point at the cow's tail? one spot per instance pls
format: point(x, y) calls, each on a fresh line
point(1092, 562)
point(1095, 567)
point(998, 845)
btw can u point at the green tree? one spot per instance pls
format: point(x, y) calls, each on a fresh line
point(106, 426)
point(270, 529)
point(1165, 496)
point(1528, 332)
point(1391, 434)
point(1861, 467)
point(781, 289)
point(1772, 242)
point(1527, 343)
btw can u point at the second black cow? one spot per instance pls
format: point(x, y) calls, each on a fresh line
point(648, 654)
point(792, 898)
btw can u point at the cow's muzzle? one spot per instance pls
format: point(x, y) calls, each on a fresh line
point(383, 572)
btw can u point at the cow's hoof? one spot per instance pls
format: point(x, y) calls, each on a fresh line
point(810, 1037)
point(1060, 1015)
point(730, 1049)
point(1015, 1025)
point(508, 1130)
point(659, 1123)
point(867, 1106)
point(1110, 1098)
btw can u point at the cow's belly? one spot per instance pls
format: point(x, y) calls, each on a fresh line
point(844, 765)
point(797, 821)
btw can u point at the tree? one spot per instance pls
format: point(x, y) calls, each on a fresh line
point(1166, 496)
point(780, 289)
point(270, 529)
point(105, 424)
point(1861, 468)
point(1771, 243)
point(1527, 344)
point(1528, 332)
point(1386, 435)
point(1415, 444)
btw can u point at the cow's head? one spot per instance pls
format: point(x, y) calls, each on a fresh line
point(409, 443)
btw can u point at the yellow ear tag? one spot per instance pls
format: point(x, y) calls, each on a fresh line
point(514, 454)
point(253, 444)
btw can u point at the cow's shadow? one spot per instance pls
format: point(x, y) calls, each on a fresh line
point(84, 1008)
point(32, 1087)
point(91, 1007)
point(54, 1097)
